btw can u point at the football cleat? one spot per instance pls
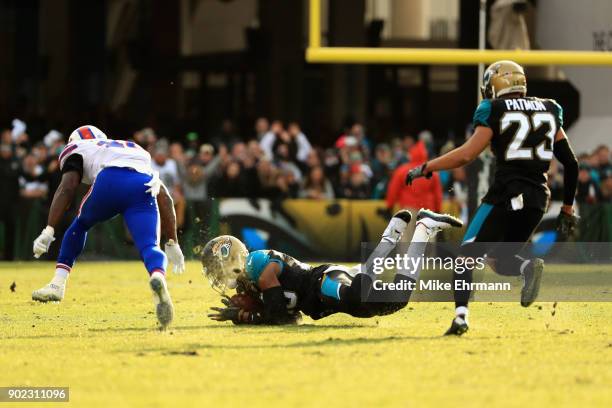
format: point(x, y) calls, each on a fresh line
point(532, 276)
point(397, 225)
point(49, 293)
point(458, 326)
point(161, 297)
point(437, 222)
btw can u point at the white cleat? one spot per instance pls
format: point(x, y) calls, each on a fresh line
point(396, 227)
point(437, 222)
point(49, 293)
point(162, 300)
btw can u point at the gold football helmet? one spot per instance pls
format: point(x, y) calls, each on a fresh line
point(502, 78)
point(224, 259)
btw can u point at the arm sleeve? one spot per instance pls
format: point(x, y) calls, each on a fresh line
point(74, 163)
point(563, 152)
point(482, 114)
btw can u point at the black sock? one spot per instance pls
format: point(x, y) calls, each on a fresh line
point(509, 266)
point(461, 293)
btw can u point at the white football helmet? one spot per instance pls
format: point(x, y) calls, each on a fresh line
point(86, 132)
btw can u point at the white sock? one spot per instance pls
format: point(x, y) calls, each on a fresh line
point(416, 251)
point(61, 276)
point(524, 265)
point(158, 274)
point(422, 233)
point(462, 310)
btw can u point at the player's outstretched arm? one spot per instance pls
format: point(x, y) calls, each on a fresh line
point(465, 153)
point(167, 214)
point(458, 157)
point(168, 230)
point(63, 197)
point(566, 222)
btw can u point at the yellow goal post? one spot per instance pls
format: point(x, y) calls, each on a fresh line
point(315, 53)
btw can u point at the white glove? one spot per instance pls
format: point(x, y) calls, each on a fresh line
point(175, 256)
point(43, 242)
point(154, 185)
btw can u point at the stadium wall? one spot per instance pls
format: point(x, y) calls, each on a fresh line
point(308, 229)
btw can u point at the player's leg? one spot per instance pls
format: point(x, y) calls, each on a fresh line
point(349, 298)
point(97, 205)
point(488, 225)
point(361, 301)
point(407, 275)
point(143, 221)
point(521, 225)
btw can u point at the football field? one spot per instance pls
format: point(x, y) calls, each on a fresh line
point(102, 342)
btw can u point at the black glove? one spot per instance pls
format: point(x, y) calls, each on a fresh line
point(416, 173)
point(225, 313)
point(566, 224)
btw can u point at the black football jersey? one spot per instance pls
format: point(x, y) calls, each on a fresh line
point(300, 282)
point(524, 131)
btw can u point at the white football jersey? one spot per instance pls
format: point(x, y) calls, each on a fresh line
point(98, 154)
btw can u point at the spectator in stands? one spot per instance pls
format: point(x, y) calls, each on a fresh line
point(606, 189)
point(424, 193)
point(32, 180)
point(198, 174)
point(382, 169)
point(267, 176)
point(146, 138)
point(176, 153)
point(604, 167)
point(282, 160)
point(317, 186)
point(169, 173)
point(262, 126)
point(288, 184)
point(301, 141)
point(588, 190)
point(233, 182)
point(357, 186)
point(9, 191)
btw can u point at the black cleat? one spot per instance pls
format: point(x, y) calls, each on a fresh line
point(458, 326)
point(403, 215)
point(532, 277)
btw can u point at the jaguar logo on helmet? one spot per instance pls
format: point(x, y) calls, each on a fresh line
point(222, 248)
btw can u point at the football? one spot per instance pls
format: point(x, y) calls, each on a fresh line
point(246, 302)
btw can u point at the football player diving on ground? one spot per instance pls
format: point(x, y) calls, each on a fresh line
point(287, 286)
point(524, 133)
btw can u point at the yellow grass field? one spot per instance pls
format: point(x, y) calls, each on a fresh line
point(102, 342)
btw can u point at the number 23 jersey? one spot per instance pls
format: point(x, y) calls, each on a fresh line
point(524, 131)
point(98, 154)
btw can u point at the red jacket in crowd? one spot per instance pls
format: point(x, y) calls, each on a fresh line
point(425, 193)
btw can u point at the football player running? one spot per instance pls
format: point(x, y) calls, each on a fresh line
point(122, 182)
point(288, 286)
point(524, 133)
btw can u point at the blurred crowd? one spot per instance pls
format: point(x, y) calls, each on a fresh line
point(594, 177)
point(276, 161)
